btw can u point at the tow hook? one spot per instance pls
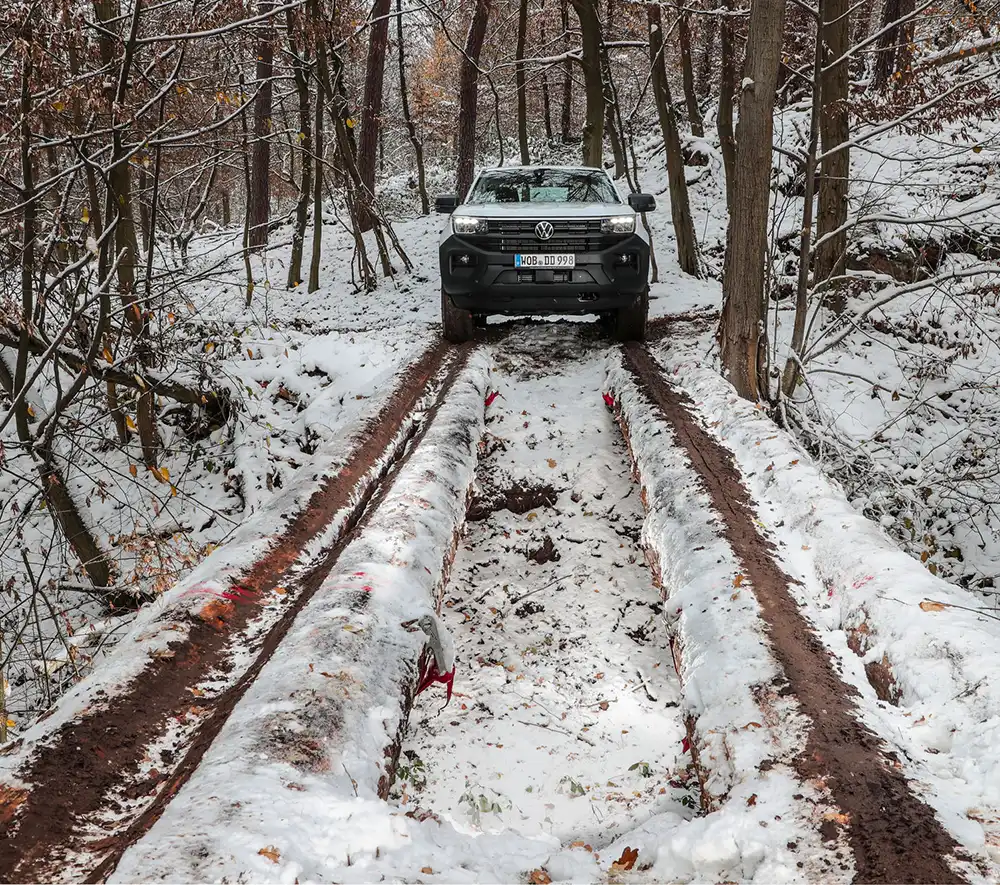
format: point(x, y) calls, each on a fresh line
point(587, 296)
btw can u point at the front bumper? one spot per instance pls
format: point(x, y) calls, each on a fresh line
point(491, 283)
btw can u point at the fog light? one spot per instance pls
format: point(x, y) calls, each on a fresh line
point(626, 259)
point(463, 259)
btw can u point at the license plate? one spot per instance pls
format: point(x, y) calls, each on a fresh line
point(538, 260)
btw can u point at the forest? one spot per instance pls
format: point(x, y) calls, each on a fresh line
point(191, 190)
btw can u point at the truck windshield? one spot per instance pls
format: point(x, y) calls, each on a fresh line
point(543, 186)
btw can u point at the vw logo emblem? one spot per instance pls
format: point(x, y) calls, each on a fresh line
point(544, 230)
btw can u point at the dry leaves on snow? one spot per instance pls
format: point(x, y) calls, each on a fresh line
point(929, 605)
point(271, 853)
point(539, 877)
point(626, 861)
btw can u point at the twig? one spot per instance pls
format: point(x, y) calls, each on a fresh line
point(645, 686)
point(354, 783)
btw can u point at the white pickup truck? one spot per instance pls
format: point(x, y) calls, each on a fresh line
point(544, 240)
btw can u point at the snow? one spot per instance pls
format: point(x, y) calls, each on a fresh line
point(303, 751)
point(943, 661)
point(567, 722)
point(168, 618)
point(745, 735)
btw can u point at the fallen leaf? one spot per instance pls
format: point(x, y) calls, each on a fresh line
point(271, 853)
point(752, 725)
point(929, 605)
point(129, 423)
point(133, 469)
point(427, 871)
point(551, 462)
point(626, 861)
point(838, 817)
point(752, 800)
point(539, 877)
point(738, 580)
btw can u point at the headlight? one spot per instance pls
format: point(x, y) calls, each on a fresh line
point(464, 224)
point(618, 224)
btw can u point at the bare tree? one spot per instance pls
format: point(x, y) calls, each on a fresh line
point(521, 82)
point(468, 97)
point(411, 128)
point(371, 115)
point(687, 72)
point(680, 209)
point(727, 95)
point(593, 79)
point(566, 117)
point(260, 166)
point(834, 128)
point(742, 330)
point(300, 72)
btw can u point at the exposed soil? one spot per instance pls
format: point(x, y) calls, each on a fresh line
point(518, 498)
point(83, 766)
point(895, 836)
point(546, 552)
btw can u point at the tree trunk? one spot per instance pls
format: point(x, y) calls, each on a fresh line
point(680, 210)
point(892, 49)
point(126, 243)
point(521, 81)
point(707, 58)
point(300, 73)
point(687, 70)
point(834, 129)
point(593, 128)
point(743, 329)
point(468, 98)
point(371, 114)
point(411, 129)
point(727, 94)
point(260, 165)
point(322, 71)
point(61, 504)
point(566, 118)
point(611, 128)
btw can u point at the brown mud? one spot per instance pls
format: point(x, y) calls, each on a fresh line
point(80, 770)
point(895, 836)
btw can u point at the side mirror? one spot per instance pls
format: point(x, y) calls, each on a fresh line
point(642, 202)
point(446, 204)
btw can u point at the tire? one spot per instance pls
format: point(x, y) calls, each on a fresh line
point(630, 322)
point(457, 325)
point(479, 320)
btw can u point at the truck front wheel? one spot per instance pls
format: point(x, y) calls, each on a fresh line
point(456, 323)
point(630, 322)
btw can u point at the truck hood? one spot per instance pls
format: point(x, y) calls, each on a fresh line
point(549, 211)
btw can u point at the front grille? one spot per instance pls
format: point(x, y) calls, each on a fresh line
point(568, 236)
point(560, 228)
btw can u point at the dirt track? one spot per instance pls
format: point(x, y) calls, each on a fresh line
point(93, 770)
point(94, 765)
point(895, 836)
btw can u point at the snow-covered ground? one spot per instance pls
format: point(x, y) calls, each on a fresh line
point(568, 718)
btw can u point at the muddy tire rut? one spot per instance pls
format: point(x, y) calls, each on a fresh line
point(92, 774)
point(894, 835)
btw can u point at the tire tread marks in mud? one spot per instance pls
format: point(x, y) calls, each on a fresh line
point(895, 836)
point(78, 771)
